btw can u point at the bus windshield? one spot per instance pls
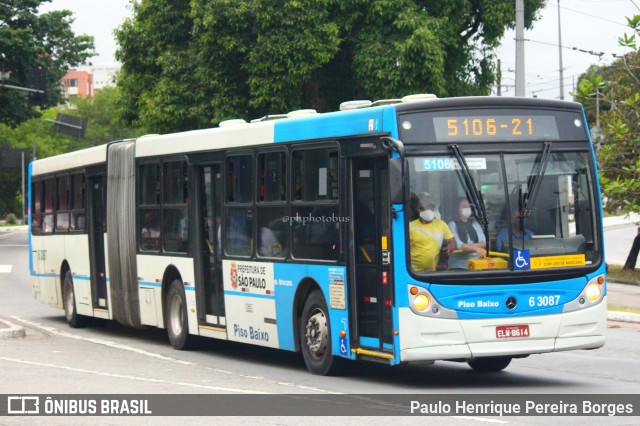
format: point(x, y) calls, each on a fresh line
point(539, 211)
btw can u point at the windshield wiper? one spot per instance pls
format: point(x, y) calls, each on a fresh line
point(536, 180)
point(471, 190)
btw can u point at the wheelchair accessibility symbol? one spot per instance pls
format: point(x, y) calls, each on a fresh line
point(521, 260)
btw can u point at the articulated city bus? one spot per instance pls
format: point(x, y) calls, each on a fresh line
point(416, 230)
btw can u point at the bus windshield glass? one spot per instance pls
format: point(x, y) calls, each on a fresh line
point(539, 212)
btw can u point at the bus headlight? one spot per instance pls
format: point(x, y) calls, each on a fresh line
point(421, 302)
point(593, 292)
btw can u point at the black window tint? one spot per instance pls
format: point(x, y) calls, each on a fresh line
point(316, 232)
point(47, 218)
point(238, 231)
point(150, 184)
point(175, 228)
point(272, 170)
point(62, 204)
point(315, 174)
point(272, 232)
point(78, 215)
point(150, 229)
point(240, 179)
point(175, 177)
point(36, 207)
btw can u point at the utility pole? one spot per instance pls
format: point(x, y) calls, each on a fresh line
point(499, 79)
point(560, 55)
point(520, 48)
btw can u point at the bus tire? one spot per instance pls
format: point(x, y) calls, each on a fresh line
point(490, 363)
point(74, 319)
point(315, 337)
point(176, 321)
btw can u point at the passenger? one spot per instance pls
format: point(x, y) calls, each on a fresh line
point(469, 237)
point(426, 235)
point(520, 233)
point(151, 227)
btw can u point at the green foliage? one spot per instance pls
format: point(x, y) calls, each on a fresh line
point(11, 219)
point(190, 64)
point(36, 42)
point(617, 88)
point(104, 125)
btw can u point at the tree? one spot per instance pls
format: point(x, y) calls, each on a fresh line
point(37, 50)
point(188, 64)
point(104, 125)
point(618, 86)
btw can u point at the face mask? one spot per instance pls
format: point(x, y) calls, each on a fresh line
point(465, 213)
point(427, 215)
point(438, 215)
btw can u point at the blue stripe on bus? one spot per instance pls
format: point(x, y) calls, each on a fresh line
point(149, 284)
point(330, 125)
point(245, 294)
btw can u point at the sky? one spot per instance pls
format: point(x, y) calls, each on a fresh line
point(585, 24)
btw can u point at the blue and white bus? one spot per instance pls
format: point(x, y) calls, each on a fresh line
point(304, 232)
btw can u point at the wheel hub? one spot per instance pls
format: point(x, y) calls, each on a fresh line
point(317, 334)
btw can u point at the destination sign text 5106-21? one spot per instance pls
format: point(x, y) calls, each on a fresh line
point(495, 128)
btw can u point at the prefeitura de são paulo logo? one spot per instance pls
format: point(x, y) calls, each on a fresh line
point(234, 275)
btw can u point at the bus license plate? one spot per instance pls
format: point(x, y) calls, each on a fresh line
point(506, 331)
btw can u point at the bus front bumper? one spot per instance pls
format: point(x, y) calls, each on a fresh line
point(430, 339)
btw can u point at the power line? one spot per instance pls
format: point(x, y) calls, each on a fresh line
point(577, 49)
point(594, 16)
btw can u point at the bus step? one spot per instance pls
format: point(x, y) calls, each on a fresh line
point(375, 356)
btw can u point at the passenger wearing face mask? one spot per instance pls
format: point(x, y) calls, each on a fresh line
point(469, 237)
point(426, 235)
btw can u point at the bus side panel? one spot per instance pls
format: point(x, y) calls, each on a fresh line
point(185, 266)
point(77, 256)
point(332, 281)
point(54, 254)
point(250, 302)
point(37, 266)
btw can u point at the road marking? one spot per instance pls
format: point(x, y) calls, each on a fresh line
point(5, 269)
point(125, 376)
point(102, 342)
point(153, 355)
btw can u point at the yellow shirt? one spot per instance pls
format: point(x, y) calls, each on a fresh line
point(425, 242)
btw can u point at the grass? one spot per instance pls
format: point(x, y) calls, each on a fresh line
point(619, 308)
point(615, 272)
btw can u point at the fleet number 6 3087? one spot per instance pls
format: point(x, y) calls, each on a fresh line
point(544, 300)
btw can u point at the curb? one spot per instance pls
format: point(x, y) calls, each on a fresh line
point(9, 330)
point(619, 316)
point(626, 282)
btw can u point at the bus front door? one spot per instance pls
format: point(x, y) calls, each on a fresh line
point(209, 290)
point(371, 252)
point(96, 230)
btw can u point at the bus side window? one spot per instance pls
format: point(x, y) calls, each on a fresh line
point(36, 207)
point(150, 212)
point(239, 201)
point(48, 218)
point(78, 212)
point(272, 182)
point(314, 216)
point(175, 224)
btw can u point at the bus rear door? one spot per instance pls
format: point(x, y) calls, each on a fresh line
point(209, 289)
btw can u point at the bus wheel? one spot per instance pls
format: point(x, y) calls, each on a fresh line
point(315, 337)
point(490, 363)
point(175, 314)
point(69, 301)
